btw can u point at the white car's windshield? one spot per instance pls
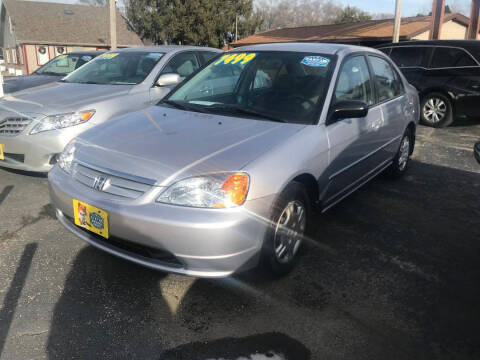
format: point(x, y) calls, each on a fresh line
point(64, 64)
point(277, 86)
point(116, 68)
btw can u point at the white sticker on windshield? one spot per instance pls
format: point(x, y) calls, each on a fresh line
point(154, 56)
point(86, 58)
point(317, 61)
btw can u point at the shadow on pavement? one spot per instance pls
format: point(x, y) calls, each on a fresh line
point(394, 269)
point(5, 192)
point(10, 302)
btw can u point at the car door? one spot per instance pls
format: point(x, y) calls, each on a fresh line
point(455, 71)
point(184, 64)
point(351, 141)
point(412, 61)
point(392, 101)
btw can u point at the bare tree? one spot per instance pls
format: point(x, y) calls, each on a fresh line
point(289, 13)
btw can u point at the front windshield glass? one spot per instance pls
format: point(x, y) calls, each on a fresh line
point(116, 68)
point(276, 86)
point(64, 64)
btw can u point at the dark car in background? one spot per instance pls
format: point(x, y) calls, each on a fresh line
point(446, 74)
point(54, 70)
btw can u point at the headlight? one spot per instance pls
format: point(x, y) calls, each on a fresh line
point(61, 121)
point(224, 190)
point(65, 160)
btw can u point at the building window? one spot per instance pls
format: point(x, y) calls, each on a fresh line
point(42, 54)
point(20, 60)
point(14, 56)
point(7, 56)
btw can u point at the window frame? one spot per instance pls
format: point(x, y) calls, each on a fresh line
point(432, 55)
point(337, 80)
point(426, 61)
point(395, 72)
point(167, 61)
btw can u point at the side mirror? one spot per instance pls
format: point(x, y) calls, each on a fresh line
point(476, 151)
point(348, 109)
point(168, 80)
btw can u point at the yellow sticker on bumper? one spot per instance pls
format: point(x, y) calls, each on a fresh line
point(2, 152)
point(91, 218)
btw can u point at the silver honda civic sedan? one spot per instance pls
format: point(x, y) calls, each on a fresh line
point(222, 174)
point(37, 123)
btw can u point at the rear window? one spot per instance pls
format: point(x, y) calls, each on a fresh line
point(451, 57)
point(409, 56)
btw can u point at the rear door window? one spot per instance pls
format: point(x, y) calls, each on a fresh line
point(445, 57)
point(413, 56)
point(387, 82)
point(207, 56)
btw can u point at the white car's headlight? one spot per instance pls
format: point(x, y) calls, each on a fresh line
point(223, 190)
point(65, 159)
point(61, 121)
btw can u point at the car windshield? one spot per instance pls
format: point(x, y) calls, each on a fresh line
point(64, 64)
point(116, 68)
point(275, 86)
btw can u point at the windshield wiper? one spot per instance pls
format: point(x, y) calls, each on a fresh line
point(185, 106)
point(245, 111)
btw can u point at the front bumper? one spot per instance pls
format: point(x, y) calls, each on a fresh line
point(35, 152)
point(203, 242)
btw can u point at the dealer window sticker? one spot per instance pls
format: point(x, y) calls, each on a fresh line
point(240, 58)
point(315, 61)
point(109, 55)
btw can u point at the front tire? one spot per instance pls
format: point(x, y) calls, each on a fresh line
point(436, 110)
point(286, 230)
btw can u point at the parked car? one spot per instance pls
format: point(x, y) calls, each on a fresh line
point(52, 71)
point(476, 151)
point(36, 124)
point(446, 74)
point(208, 182)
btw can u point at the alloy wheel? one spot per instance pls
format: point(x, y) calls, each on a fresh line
point(289, 231)
point(434, 110)
point(404, 153)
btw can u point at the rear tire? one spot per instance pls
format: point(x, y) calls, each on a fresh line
point(401, 160)
point(436, 110)
point(287, 229)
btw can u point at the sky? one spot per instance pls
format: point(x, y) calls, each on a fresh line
point(409, 7)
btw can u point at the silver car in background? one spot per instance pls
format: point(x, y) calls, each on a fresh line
point(36, 124)
point(52, 71)
point(223, 173)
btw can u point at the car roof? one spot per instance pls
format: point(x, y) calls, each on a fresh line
point(456, 43)
point(313, 47)
point(165, 48)
point(96, 53)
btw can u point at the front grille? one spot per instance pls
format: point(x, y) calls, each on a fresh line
point(108, 183)
point(18, 158)
point(150, 254)
point(12, 126)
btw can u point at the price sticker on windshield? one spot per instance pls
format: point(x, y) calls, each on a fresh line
point(237, 58)
point(109, 55)
point(62, 57)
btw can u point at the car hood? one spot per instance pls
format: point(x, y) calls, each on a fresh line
point(24, 82)
point(165, 144)
point(61, 97)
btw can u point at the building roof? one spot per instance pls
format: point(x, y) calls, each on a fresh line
point(65, 24)
point(373, 30)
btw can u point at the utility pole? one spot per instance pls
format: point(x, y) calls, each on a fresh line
point(236, 27)
point(113, 25)
point(398, 21)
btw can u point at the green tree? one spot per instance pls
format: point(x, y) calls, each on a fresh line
point(190, 22)
point(351, 14)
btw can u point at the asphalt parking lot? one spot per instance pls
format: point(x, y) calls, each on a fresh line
point(390, 273)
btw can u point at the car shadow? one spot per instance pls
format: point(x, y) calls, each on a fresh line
point(391, 272)
point(24, 173)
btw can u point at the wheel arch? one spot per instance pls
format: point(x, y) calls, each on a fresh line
point(311, 185)
point(413, 131)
